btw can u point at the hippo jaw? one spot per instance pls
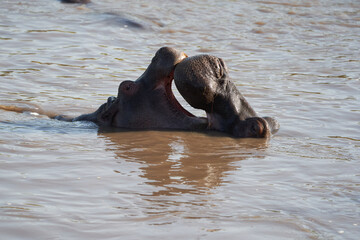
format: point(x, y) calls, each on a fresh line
point(149, 102)
point(162, 110)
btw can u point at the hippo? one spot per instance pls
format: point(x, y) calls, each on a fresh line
point(204, 83)
point(148, 102)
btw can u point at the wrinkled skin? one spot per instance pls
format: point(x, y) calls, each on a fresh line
point(148, 102)
point(204, 83)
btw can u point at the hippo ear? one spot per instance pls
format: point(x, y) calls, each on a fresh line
point(222, 69)
point(128, 88)
point(221, 72)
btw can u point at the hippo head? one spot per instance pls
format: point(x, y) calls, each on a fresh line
point(148, 102)
point(204, 83)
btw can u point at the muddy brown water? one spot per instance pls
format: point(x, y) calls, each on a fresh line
point(298, 61)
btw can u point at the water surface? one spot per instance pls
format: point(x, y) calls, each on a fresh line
point(297, 61)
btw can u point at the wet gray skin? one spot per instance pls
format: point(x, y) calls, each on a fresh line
point(204, 83)
point(148, 102)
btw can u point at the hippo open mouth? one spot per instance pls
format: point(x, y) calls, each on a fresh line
point(165, 86)
point(148, 102)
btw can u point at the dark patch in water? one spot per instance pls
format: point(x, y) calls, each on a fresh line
point(115, 17)
point(121, 20)
point(76, 1)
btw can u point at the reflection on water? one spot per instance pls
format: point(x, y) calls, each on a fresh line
point(182, 162)
point(294, 60)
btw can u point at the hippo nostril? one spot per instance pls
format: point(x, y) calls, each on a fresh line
point(128, 88)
